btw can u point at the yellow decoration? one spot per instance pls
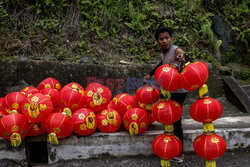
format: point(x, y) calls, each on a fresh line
point(214, 140)
point(169, 128)
point(165, 69)
point(165, 163)
point(100, 90)
point(67, 112)
point(166, 93)
point(57, 130)
point(81, 116)
point(104, 122)
point(47, 86)
point(15, 139)
point(210, 163)
point(149, 107)
point(33, 109)
point(129, 107)
point(74, 106)
point(35, 127)
point(53, 139)
point(82, 92)
point(90, 122)
point(58, 86)
point(143, 125)
point(13, 111)
point(133, 128)
point(90, 93)
point(111, 118)
point(208, 128)
point(14, 128)
point(104, 101)
point(134, 117)
point(203, 91)
point(43, 107)
point(48, 96)
point(25, 89)
point(34, 99)
point(150, 89)
point(83, 126)
point(15, 106)
point(207, 101)
point(142, 105)
point(160, 105)
point(167, 139)
point(175, 103)
point(97, 99)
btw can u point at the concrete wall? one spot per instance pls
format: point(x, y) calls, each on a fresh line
point(15, 75)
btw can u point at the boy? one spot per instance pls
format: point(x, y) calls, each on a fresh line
point(171, 54)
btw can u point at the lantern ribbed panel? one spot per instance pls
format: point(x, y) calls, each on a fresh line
point(13, 101)
point(97, 97)
point(59, 124)
point(167, 112)
point(205, 110)
point(209, 147)
point(37, 107)
point(36, 129)
point(167, 77)
point(73, 86)
point(29, 90)
point(194, 75)
point(124, 102)
point(13, 123)
point(84, 121)
point(148, 94)
point(108, 120)
point(167, 146)
point(53, 95)
point(138, 116)
point(71, 99)
point(50, 83)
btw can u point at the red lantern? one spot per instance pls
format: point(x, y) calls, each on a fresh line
point(2, 113)
point(50, 83)
point(53, 95)
point(12, 102)
point(29, 90)
point(136, 121)
point(36, 129)
point(71, 100)
point(205, 110)
point(148, 94)
point(97, 97)
point(167, 147)
point(194, 75)
point(14, 127)
point(167, 112)
point(73, 86)
point(84, 121)
point(108, 120)
point(37, 107)
point(148, 108)
point(124, 102)
point(167, 77)
point(58, 126)
point(209, 147)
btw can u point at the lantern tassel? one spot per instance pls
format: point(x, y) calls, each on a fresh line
point(210, 163)
point(208, 128)
point(133, 128)
point(166, 93)
point(169, 128)
point(90, 122)
point(67, 112)
point(203, 91)
point(53, 139)
point(149, 107)
point(165, 163)
point(15, 139)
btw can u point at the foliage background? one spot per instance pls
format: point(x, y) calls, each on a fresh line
point(108, 31)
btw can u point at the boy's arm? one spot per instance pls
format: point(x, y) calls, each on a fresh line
point(153, 71)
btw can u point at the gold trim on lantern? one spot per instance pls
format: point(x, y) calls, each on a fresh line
point(133, 128)
point(53, 139)
point(208, 128)
point(90, 122)
point(15, 139)
point(210, 163)
point(58, 86)
point(14, 129)
point(90, 93)
point(33, 109)
point(169, 128)
point(134, 117)
point(15, 106)
point(166, 93)
point(203, 91)
point(83, 127)
point(97, 99)
point(67, 112)
point(111, 118)
point(43, 107)
point(47, 86)
point(165, 163)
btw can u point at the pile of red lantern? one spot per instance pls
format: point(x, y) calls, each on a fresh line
point(59, 111)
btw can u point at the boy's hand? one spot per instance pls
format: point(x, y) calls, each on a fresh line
point(180, 58)
point(147, 77)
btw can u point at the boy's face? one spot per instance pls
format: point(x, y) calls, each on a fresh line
point(164, 40)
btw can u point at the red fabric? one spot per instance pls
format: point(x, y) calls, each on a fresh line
point(38, 104)
point(167, 146)
point(53, 95)
point(71, 99)
point(205, 110)
point(13, 123)
point(148, 94)
point(73, 86)
point(194, 75)
point(124, 102)
point(137, 115)
point(167, 112)
point(80, 123)
point(167, 77)
point(1, 106)
point(209, 147)
point(50, 83)
point(108, 120)
point(100, 91)
point(13, 101)
point(59, 124)
point(29, 90)
point(36, 129)
point(143, 106)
